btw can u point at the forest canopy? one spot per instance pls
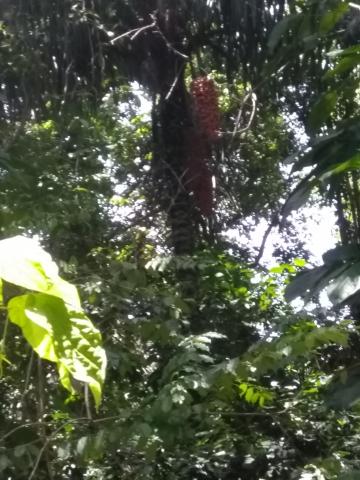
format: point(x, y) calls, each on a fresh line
point(143, 334)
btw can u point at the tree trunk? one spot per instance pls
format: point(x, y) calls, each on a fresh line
point(170, 146)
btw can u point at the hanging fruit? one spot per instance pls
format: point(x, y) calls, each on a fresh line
point(206, 107)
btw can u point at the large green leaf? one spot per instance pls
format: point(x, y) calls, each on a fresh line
point(62, 336)
point(341, 253)
point(299, 196)
point(332, 17)
point(322, 109)
point(340, 274)
point(304, 282)
point(354, 49)
point(333, 148)
point(345, 285)
point(331, 155)
point(331, 272)
point(344, 389)
point(351, 164)
point(345, 64)
point(24, 263)
point(280, 29)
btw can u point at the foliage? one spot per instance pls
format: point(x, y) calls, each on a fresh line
point(332, 155)
point(210, 372)
point(52, 320)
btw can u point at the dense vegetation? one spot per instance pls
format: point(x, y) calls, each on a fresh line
point(142, 141)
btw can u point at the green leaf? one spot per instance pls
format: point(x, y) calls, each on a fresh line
point(332, 17)
point(347, 52)
point(298, 197)
point(345, 276)
point(345, 285)
point(344, 389)
point(351, 164)
point(24, 263)
point(299, 262)
point(309, 283)
point(249, 395)
point(166, 404)
point(341, 253)
point(280, 29)
point(304, 282)
point(91, 447)
point(322, 109)
point(325, 335)
point(62, 336)
point(321, 144)
point(335, 53)
point(345, 64)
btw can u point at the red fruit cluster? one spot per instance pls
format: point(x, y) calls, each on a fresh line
point(198, 178)
point(206, 107)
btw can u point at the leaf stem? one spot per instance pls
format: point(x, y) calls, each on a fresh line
point(2, 345)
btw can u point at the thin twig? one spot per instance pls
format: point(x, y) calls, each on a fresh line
point(41, 403)
point(87, 401)
point(53, 435)
point(272, 224)
point(252, 115)
point(167, 42)
point(135, 32)
point(246, 414)
point(170, 46)
point(176, 176)
point(168, 95)
point(42, 450)
point(3, 345)
point(180, 189)
point(68, 422)
point(236, 130)
point(240, 114)
point(141, 30)
point(41, 411)
point(27, 378)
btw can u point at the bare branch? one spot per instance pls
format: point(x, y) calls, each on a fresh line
point(252, 115)
point(354, 5)
point(168, 95)
point(170, 46)
point(273, 223)
point(237, 131)
point(135, 32)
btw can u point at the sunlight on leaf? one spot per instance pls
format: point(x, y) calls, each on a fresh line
point(24, 263)
point(62, 336)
